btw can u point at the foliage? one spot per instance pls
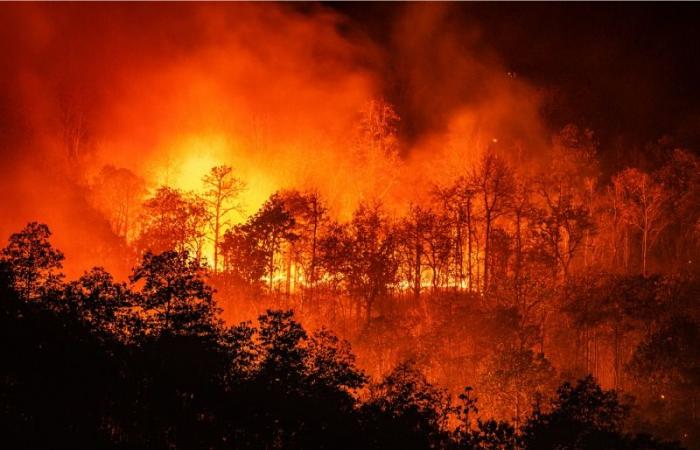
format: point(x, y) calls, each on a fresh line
point(32, 261)
point(97, 363)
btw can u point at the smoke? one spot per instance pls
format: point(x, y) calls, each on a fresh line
point(272, 90)
point(460, 98)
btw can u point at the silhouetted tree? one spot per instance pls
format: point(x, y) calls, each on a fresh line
point(32, 261)
point(680, 177)
point(96, 363)
point(310, 218)
point(481, 434)
point(331, 363)
point(117, 193)
point(582, 416)
point(223, 190)
point(335, 248)
point(411, 236)
point(174, 294)
point(281, 342)
point(173, 221)
point(493, 180)
point(561, 227)
point(406, 411)
point(244, 258)
point(515, 378)
point(667, 364)
point(269, 229)
point(102, 302)
point(372, 264)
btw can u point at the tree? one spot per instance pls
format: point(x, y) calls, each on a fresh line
point(100, 301)
point(310, 217)
point(644, 202)
point(223, 189)
point(334, 255)
point(493, 180)
point(582, 416)
point(610, 220)
point(484, 434)
point(269, 230)
point(561, 227)
point(241, 351)
point(667, 364)
point(680, 177)
point(566, 189)
point(331, 363)
point(458, 205)
point(438, 244)
point(372, 264)
point(174, 293)
point(283, 353)
point(515, 378)
point(407, 411)
point(117, 193)
point(173, 220)
point(32, 261)
point(671, 355)
point(244, 259)
point(411, 235)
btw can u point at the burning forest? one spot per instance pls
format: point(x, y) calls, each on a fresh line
point(453, 226)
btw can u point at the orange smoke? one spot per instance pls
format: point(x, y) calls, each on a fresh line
point(273, 90)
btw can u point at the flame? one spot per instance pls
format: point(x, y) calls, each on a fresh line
point(198, 155)
point(188, 159)
point(275, 92)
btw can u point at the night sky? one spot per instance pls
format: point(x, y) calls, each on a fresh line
point(629, 71)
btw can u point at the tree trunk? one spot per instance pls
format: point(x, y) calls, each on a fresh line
point(645, 234)
point(518, 256)
point(417, 273)
point(469, 243)
point(313, 250)
point(458, 253)
point(487, 250)
point(288, 282)
point(217, 229)
point(271, 268)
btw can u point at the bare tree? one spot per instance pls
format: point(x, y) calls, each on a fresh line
point(644, 202)
point(223, 190)
point(561, 225)
point(411, 235)
point(117, 193)
point(457, 202)
point(493, 180)
point(521, 210)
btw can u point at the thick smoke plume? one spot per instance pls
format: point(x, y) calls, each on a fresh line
point(275, 91)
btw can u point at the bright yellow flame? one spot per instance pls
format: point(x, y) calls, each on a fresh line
point(188, 159)
point(193, 157)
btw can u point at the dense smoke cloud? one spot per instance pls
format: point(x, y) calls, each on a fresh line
point(273, 90)
point(457, 98)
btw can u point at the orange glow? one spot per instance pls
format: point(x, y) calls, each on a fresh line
point(190, 158)
point(482, 204)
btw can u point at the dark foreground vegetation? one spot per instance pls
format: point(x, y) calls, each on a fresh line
point(95, 363)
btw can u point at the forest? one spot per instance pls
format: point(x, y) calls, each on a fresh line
point(311, 225)
point(480, 318)
point(97, 363)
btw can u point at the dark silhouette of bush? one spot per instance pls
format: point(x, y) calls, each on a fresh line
point(95, 363)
